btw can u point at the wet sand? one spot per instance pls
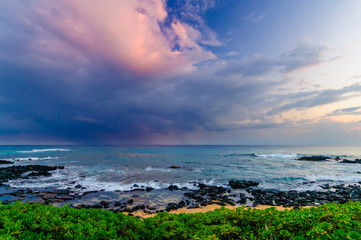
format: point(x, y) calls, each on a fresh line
point(207, 208)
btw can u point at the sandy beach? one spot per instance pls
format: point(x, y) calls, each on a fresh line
point(207, 208)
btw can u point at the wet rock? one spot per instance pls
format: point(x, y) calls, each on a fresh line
point(40, 200)
point(181, 204)
point(105, 204)
point(48, 195)
point(148, 189)
point(5, 162)
point(64, 197)
point(313, 158)
point(172, 206)
point(174, 167)
point(97, 206)
point(231, 202)
point(204, 203)
point(236, 184)
point(14, 172)
point(138, 207)
point(350, 161)
point(130, 202)
point(194, 205)
point(173, 187)
point(79, 205)
point(193, 195)
point(64, 191)
point(39, 173)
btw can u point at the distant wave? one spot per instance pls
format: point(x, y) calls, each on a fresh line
point(324, 178)
point(32, 159)
point(240, 154)
point(277, 155)
point(157, 169)
point(46, 150)
point(66, 179)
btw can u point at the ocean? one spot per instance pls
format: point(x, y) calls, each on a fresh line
point(123, 168)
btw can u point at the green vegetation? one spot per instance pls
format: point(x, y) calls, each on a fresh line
point(35, 221)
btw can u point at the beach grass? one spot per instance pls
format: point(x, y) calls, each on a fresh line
point(37, 221)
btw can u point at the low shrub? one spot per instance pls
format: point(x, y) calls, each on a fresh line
point(36, 221)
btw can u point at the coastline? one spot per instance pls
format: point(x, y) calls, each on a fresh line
point(208, 208)
point(145, 201)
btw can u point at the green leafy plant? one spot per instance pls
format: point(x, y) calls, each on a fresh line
point(36, 221)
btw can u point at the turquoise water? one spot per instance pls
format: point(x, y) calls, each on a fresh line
point(114, 168)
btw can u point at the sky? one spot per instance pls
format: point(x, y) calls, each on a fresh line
point(180, 72)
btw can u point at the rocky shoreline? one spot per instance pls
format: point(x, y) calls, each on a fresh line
point(235, 193)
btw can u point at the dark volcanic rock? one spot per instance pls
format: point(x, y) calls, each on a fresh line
point(242, 184)
point(105, 204)
point(172, 206)
point(6, 162)
point(174, 167)
point(14, 172)
point(350, 161)
point(39, 173)
point(313, 158)
point(173, 187)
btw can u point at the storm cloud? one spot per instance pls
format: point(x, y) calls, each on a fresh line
point(69, 76)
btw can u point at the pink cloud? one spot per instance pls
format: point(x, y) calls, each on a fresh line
point(127, 33)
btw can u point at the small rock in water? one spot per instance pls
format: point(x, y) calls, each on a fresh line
point(173, 187)
point(349, 161)
point(313, 158)
point(148, 189)
point(175, 167)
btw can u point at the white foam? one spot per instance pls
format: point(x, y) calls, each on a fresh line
point(278, 155)
point(324, 178)
point(287, 186)
point(157, 169)
point(66, 179)
point(32, 159)
point(46, 150)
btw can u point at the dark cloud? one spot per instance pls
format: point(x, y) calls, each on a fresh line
point(93, 101)
point(257, 66)
point(346, 111)
point(315, 98)
point(52, 90)
point(304, 55)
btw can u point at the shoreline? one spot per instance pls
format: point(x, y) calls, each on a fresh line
point(148, 201)
point(204, 209)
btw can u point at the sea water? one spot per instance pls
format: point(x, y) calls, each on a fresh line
point(122, 168)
